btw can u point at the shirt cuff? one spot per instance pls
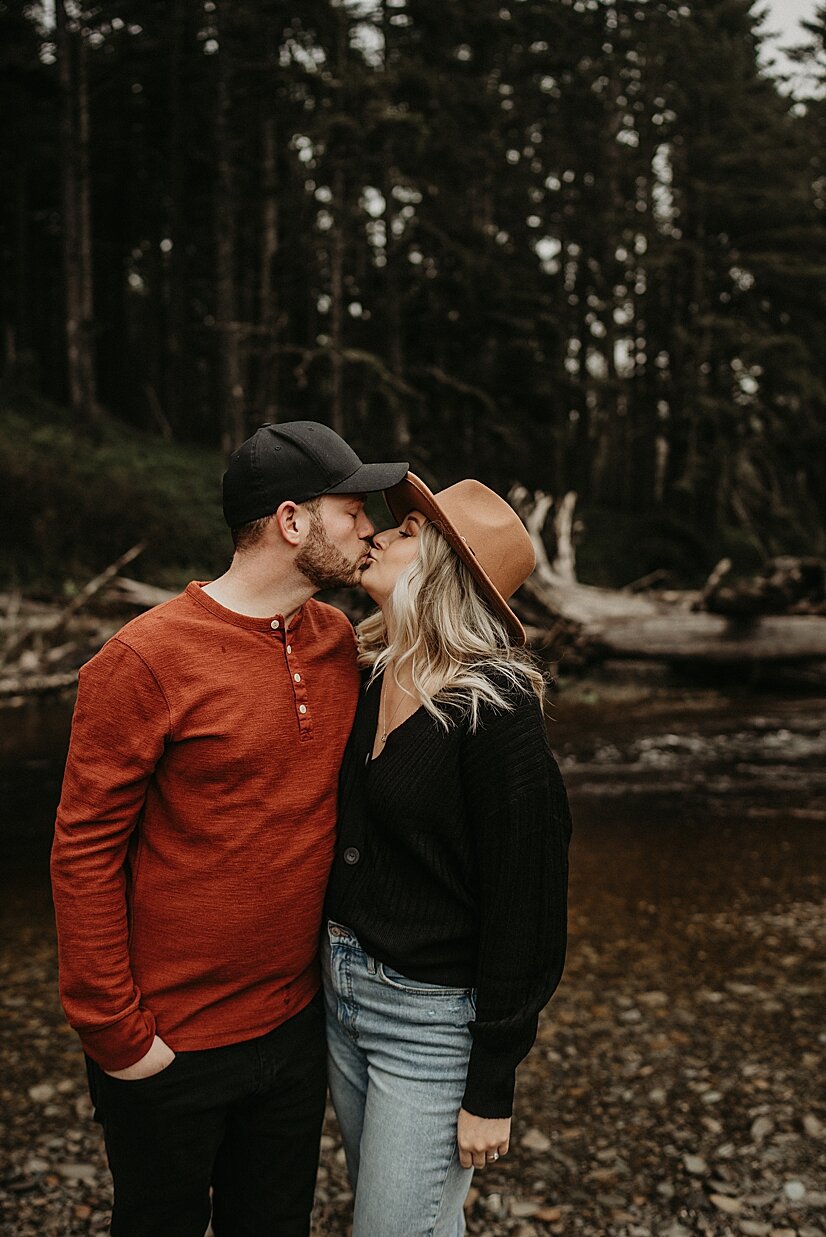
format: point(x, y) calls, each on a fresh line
point(122, 1043)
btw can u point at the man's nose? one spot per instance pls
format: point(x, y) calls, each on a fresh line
point(366, 527)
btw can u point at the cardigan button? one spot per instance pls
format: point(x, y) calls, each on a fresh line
point(351, 855)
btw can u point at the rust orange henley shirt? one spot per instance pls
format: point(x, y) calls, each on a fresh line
point(196, 825)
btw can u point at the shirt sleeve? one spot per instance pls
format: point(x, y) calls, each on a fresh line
point(519, 812)
point(120, 726)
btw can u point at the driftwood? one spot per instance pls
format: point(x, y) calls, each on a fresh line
point(597, 622)
point(35, 684)
point(60, 621)
point(785, 585)
point(43, 648)
point(136, 593)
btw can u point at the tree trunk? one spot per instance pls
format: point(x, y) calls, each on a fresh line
point(337, 300)
point(267, 400)
point(174, 273)
point(233, 426)
point(77, 215)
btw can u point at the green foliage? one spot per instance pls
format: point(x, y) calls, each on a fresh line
point(75, 502)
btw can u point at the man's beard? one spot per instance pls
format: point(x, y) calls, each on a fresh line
point(322, 563)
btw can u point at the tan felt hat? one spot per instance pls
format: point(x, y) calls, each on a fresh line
point(482, 528)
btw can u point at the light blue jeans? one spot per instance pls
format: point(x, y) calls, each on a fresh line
point(398, 1054)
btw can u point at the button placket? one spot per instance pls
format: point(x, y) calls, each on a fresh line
point(302, 702)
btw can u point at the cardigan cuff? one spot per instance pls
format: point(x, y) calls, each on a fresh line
point(491, 1080)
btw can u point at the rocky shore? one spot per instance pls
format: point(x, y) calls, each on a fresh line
point(676, 1084)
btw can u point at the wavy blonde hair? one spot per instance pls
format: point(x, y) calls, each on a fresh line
point(456, 646)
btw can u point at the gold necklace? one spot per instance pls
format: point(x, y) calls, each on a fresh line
point(392, 716)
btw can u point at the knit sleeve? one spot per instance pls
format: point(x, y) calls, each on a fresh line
point(119, 729)
point(517, 803)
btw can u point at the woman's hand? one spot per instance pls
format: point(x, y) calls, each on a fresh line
point(481, 1139)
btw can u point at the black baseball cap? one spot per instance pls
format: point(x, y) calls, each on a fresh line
point(296, 461)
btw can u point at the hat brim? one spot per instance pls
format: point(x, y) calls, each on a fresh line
point(412, 494)
point(369, 479)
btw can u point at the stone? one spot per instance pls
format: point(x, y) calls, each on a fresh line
point(731, 1206)
point(524, 1208)
point(35, 1164)
point(795, 1191)
point(41, 1092)
point(761, 1127)
point(535, 1140)
point(813, 1126)
point(696, 1165)
point(77, 1171)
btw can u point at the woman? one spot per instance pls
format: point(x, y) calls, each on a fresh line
point(446, 906)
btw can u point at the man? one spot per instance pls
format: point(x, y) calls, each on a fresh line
point(192, 847)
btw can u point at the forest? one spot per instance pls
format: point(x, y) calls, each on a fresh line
point(576, 244)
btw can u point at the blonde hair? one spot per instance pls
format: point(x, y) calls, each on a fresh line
point(454, 644)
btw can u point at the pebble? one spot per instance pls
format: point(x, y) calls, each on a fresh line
point(731, 1206)
point(535, 1140)
point(78, 1172)
point(695, 1164)
point(42, 1092)
point(761, 1128)
point(523, 1208)
point(36, 1165)
point(794, 1190)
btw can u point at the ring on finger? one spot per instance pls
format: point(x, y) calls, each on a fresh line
point(493, 1157)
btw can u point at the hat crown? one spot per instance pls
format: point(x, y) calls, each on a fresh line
point(492, 531)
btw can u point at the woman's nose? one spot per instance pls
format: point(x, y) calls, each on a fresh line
point(380, 540)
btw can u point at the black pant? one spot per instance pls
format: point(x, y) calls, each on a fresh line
point(245, 1119)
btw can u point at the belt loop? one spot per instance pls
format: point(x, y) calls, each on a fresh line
point(371, 965)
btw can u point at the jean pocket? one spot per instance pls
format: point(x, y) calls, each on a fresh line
point(141, 1084)
point(339, 934)
point(403, 983)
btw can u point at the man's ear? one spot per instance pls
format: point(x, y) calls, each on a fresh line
point(289, 522)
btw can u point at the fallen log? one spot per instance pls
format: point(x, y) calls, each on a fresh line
point(136, 593)
point(60, 621)
point(620, 623)
point(783, 585)
point(35, 684)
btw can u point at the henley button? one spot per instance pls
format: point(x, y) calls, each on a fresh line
point(289, 648)
point(275, 623)
point(297, 678)
point(302, 708)
point(351, 855)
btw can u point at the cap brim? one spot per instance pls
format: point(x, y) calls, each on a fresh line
point(412, 494)
point(370, 478)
